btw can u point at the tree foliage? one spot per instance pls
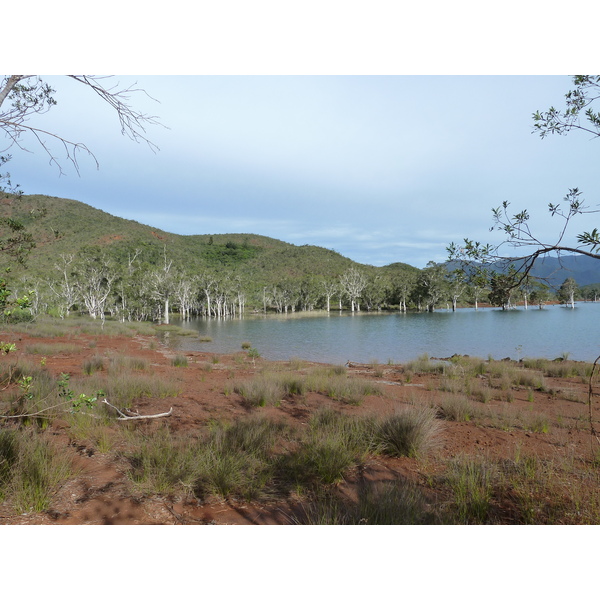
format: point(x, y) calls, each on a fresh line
point(519, 233)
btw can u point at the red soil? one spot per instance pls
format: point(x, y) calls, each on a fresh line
point(100, 494)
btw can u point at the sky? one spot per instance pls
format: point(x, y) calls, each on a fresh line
point(382, 169)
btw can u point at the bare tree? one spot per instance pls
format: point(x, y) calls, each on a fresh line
point(353, 282)
point(330, 289)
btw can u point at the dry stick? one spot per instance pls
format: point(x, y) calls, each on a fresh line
point(124, 417)
point(593, 432)
point(35, 414)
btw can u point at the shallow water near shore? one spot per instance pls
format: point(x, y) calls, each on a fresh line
point(395, 337)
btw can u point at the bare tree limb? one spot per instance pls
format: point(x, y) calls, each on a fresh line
point(124, 417)
point(35, 97)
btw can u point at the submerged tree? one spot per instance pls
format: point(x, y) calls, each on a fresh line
point(566, 292)
point(353, 282)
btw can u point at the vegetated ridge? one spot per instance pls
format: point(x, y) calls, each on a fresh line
point(61, 226)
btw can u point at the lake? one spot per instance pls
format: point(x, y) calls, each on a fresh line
point(364, 337)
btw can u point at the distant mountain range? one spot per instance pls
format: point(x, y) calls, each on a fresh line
point(553, 271)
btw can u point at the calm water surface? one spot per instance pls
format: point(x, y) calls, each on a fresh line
point(365, 337)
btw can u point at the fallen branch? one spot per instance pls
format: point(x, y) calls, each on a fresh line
point(123, 417)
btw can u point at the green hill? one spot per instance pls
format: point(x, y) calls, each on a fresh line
point(69, 227)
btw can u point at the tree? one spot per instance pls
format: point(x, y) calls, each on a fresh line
point(566, 292)
point(431, 286)
point(456, 281)
point(517, 227)
point(94, 277)
point(330, 289)
point(502, 286)
point(23, 96)
point(403, 285)
point(353, 282)
point(540, 294)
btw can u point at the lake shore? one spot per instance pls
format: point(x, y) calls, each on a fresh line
point(524, 429)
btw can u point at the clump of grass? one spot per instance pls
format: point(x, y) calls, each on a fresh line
point(30, 471)
point(381, 503)
point(179, 361)
point(453, 385)
point(531, 380)
point(377, 368)
point(246, 345)
point(122, 388)
point(423, 364)
point(457, 408)
point(411, 432)
point(330, 448)
point(118, 364)
point(227, 461)
point(392, 503)
point(335, 383)
point(162, 463)
point(296, 364)
point(481, 392)
point(260, 391)
point(537, 424)
point(51, 349)
point(205, 338)
point(346, 390)
point(471, 483)
point(91, 365)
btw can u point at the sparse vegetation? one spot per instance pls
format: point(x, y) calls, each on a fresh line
point(317, 456)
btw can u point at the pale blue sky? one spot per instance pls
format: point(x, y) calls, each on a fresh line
point(379, 168)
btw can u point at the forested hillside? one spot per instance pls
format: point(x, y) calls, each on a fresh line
point(75, 241)
point(89, 261)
